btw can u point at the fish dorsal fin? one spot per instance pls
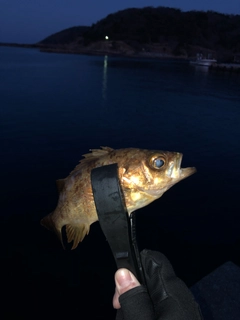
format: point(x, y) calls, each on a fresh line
point(96, 153)
point(60, 184)
point(76, 233)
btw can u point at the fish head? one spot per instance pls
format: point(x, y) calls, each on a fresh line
point(149, 174)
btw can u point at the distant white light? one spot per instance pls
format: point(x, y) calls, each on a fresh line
point(106, 37)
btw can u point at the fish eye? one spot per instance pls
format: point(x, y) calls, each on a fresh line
point(158, 162)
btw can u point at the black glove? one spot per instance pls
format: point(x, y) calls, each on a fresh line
point(165, 298)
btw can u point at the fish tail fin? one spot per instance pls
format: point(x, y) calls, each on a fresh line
point(76, 233)
point(48, 223)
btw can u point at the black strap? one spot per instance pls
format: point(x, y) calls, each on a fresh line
point(114, 219)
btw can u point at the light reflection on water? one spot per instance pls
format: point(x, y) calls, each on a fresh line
point(104, 81)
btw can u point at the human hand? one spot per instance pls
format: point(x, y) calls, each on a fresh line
point(165, 298)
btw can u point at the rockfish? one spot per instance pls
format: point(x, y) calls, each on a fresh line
point(144, 176)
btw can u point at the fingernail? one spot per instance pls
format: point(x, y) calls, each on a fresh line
point(123, 278)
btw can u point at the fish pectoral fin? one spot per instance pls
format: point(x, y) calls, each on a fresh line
point(76, 233)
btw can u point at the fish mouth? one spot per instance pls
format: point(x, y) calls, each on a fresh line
point(186, 172)
point(176, 172)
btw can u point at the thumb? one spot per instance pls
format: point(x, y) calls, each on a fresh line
point(124, 280)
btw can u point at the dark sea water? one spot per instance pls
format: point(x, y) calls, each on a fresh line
point(54, 108)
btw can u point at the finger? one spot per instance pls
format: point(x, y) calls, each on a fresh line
point(124, 281)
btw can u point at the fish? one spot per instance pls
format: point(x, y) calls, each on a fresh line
point(144, 176)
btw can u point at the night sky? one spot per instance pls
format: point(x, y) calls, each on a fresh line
point(26, 21)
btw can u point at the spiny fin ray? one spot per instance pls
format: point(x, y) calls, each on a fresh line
point(94, 155)
point(48, 223)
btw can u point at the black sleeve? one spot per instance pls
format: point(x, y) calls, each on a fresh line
point(135, 304)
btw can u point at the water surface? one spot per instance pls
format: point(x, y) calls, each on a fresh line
point(55, 107)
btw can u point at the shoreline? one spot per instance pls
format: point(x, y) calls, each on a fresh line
point(225, 67)
point(96, 52)
point(151, 55)
point(218, 67)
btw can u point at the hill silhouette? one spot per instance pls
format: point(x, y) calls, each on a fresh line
point(65, 36)
point(161, 31)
